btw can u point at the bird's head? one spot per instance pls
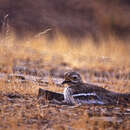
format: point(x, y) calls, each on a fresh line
point(72, 78)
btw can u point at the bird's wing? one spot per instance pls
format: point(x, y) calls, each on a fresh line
point(87, 98)
point(97, 89)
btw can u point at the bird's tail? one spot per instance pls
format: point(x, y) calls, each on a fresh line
point(123, 98)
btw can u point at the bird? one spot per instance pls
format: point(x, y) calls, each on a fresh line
point(78, 92)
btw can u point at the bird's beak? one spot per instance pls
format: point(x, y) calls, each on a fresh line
point(65, 82)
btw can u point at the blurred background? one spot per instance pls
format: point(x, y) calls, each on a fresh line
point(73, 18)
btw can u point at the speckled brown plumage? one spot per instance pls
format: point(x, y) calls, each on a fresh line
point(78, 92)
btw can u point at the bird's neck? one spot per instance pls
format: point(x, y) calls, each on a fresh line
point(74, 84)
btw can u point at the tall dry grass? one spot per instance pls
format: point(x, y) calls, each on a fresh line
point(86, 53)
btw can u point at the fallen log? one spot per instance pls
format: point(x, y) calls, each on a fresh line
point(49, 95)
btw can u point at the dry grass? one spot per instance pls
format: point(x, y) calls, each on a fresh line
point(40, 56)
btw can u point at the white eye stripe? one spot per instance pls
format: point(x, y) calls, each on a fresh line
point(75, 76)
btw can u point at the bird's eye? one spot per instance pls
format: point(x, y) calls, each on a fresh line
point(74, 77)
